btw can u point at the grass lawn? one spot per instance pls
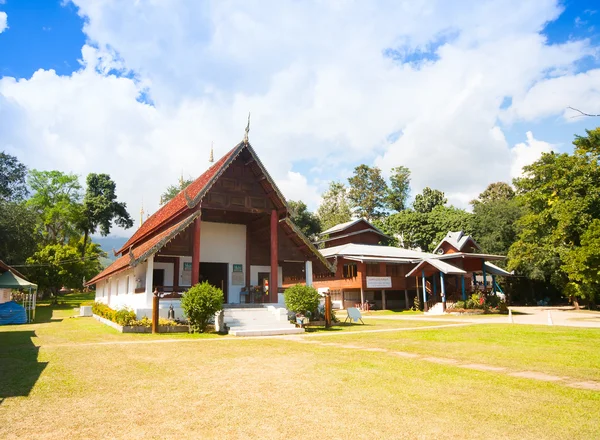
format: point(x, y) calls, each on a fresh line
point(76, 378)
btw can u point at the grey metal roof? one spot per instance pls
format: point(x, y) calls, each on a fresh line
point(343, 226)
point(442, 266)
point(370, 250)
point(458, 240)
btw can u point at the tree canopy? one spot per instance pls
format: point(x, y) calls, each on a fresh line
point(429, 199)
point(173, 190)
point(368, 191)
point(399, 189)
point(308, 222)
point(334, 208)
point(13, 184)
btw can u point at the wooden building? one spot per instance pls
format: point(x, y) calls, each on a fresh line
point(387, 277)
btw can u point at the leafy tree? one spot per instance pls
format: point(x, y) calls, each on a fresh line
point(399, 189)
point(582, 265)
point(101, 208)
point(496, 212)
point(368, 192)
point(428, 199)
point(424, 230)
point(173, 190)
point(60, 264)
point(56, 202)
point(308, 222)
point(200, 303)
point(12, 178)
point(334, 208)
point(561, 196)
point(18, 238)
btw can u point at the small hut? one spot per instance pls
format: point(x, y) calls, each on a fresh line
point(10, 311)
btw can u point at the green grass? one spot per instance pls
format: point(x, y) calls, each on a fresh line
point(574, 352)
point(76, 378)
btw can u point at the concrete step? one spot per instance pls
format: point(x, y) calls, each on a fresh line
point(266, 331)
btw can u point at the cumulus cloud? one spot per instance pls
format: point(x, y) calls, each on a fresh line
point(525, 153)
point(329, 85)
point(3, 21)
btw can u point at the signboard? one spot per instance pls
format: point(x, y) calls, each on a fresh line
point(379, 282)
point(237, 277)
point(186, 275)
point(238, 268)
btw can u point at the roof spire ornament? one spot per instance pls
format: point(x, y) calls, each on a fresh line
point(247, 129)
point(142, 214)
point(211, 158)
point(181, 180)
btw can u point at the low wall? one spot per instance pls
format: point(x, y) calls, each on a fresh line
point(141, 328)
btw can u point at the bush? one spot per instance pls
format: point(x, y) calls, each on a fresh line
point(125, 317)
point(459, 305)
point(302, 299)
point(200, 303)
point(416, 304)
point(104, 311)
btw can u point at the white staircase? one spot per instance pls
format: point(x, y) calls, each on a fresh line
point(259, 321)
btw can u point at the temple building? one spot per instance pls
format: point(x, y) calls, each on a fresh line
point(230, 227)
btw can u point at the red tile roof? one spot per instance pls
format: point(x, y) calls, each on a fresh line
point(179, 204)
point(144, 250)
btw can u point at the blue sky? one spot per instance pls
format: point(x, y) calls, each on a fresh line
point(139, 88)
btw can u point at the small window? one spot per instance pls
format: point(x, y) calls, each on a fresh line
point(372, 269)
point(350, 270)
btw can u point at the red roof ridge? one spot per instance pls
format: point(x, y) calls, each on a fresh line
point(183, 200)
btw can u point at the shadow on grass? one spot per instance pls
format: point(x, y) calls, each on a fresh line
point(19, 367)
point(340, 326)
point(44, 314)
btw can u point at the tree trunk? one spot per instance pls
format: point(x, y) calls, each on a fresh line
point(575, 302)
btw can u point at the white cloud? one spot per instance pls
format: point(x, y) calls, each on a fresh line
point(3, 21)
point(525, 153)
point(322, 95)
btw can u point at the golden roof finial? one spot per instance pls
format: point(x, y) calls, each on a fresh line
point(181, 180)
point(211, 158)
point(247, 129)
point(142, 214)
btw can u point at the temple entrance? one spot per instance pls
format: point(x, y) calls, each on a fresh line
point(216, 275)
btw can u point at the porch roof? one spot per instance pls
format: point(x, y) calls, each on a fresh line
point(492, 269)
point(363, 259)
point(437, 265)
point(142, 252)
point(468, 255)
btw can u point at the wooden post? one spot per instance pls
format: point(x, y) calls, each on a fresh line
point(327, 310)
point(196, 253)
point(406, 303)
point(274, 282)
point(155, 304)
point(443, 286)
point(425, 308)
point(176, 275)
point(247, 273)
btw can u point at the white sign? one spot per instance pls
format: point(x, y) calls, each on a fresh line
point(379, 282)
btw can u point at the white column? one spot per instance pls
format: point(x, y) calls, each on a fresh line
point(149, 269)
point(308, 273)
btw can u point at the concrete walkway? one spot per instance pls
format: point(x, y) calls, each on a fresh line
point(561, 316)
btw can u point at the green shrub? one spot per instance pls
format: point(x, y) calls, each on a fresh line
point(302, 299)
point(416, 304)
point(104, 311)
point(147, 322)
point(200, 303)
point(459, 305)
point(125, 317)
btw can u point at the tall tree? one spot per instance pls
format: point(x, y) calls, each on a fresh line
point(308, 222)
point(56, 200)
point(173, 190)
point(18, 238)
point(368, 192)
point(101, 208)
point(429, 199)
point(495, 214)
point(12, 178)
point(561, 195)
point(399, 189)
point(334, 208)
